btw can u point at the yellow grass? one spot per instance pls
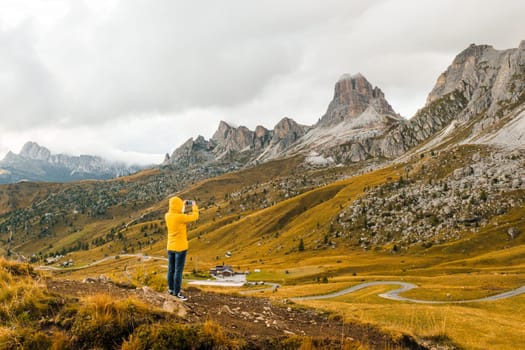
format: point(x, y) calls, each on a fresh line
point(477, 265)
point(494, 325)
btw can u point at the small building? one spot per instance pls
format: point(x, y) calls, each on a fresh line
point(54, 259)
point(222, 271)
point(51, 260)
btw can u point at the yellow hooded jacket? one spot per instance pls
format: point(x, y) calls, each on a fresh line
point(176, 222)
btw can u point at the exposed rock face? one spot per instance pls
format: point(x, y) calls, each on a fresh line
point(237, 146)
point(353, 94)
point(36, 163)
point(284, 135)
point(192, 152)
point(262, 137)
point(286, 132)
point(485, 76)
point(429, 120)
point(476, 100)
point(32, 150)
point(493, 83)
point(357, 113)
point(233, 139)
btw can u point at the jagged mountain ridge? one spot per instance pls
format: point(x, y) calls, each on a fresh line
point(357, 111)
point(37, 163)
point(237, 146)
point(478, 99)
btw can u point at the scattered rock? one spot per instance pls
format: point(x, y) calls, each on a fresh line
point(175, 307)
point(514, 232)
point(104, 279)
point(89, 280)
point(226, 308)
point(100, 278)
point(438, 210)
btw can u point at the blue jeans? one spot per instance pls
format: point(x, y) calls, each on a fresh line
point(176, 261)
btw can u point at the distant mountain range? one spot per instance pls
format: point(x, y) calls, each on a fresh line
point(480, 98)
point(36, 163)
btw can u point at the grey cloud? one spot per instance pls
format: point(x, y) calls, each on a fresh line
point(246, 62)
point(174, 55)
point(170, 56)
point(28, 92)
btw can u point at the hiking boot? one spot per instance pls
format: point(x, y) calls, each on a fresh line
point(181, 297)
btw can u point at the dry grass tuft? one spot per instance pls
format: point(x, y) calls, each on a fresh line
point(105, 322)
point(22, 299)
point(178, 336)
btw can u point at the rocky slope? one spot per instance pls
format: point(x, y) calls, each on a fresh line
point(36, 163)
point(257, 319)
point(456, 191)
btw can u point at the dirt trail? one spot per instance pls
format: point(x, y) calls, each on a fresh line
point(254, 318)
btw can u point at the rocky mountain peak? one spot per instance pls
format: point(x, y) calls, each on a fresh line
point(487, 77)
point(473, 50)
point(33, 150)
point(353, 94)
point(481, 90)
point(229, 138)
point(222, 131)
point(260, 131)
point(288, 129)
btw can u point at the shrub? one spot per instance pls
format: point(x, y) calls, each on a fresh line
point(179, 336)
point(24, 338)
point(104, 323)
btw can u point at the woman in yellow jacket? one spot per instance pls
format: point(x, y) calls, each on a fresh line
point(176, 222)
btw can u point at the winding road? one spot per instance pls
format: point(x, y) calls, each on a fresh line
point(391, 295)
point(394, 294)
point(113, 257)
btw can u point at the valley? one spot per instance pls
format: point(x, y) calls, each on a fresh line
point(364, 200)
point(476, 260)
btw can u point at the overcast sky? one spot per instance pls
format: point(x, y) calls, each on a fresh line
point(133, 79)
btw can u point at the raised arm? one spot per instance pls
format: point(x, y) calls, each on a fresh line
point(194, 214)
